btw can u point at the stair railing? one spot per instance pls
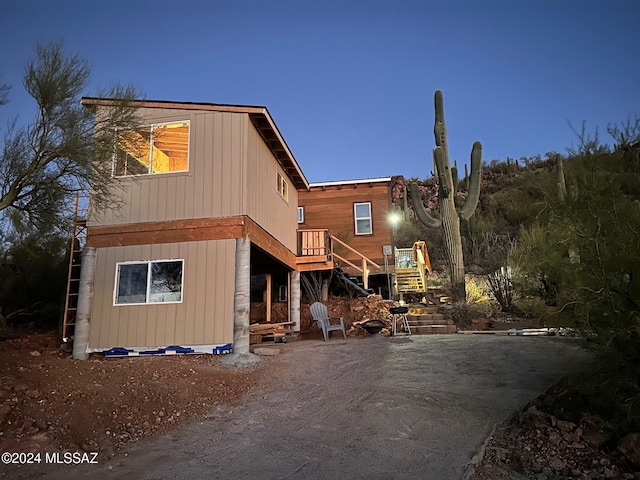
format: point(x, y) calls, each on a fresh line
point(364, 269)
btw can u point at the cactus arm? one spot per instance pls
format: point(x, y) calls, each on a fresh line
point(561, 185)
point(421, 212)
point(440, 128)
point(474, 182)
point(454, 177)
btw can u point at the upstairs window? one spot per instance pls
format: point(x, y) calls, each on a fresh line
point(283, 188)
point(362, 218)
point(149, 282)
point(160, 148)
point(300, 214)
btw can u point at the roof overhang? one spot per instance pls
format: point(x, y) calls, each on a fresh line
point(259, 116)
point(361, 181)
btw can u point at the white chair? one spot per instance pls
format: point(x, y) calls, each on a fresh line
point(321, 316)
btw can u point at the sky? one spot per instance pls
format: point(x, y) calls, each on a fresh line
point(350, 84)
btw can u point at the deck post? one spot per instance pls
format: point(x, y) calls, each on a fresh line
point(294, 299)
point(242, 297)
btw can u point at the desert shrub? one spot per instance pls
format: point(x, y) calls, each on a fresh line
point(462, 314)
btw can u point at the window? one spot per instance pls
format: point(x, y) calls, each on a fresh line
point(282, 293)
point(300, 214)
point(161, 148)
point(283, 187)
point(149, 282)
point(362, 216)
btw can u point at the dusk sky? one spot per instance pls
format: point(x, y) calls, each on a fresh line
point(350, 83)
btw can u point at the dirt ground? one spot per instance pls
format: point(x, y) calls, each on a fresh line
point(50, 402)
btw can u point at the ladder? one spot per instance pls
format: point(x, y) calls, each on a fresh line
point(78, 238)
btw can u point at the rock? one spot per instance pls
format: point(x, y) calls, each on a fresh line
point(4, 411)
point(266, 352)
point(556, 464)
point(629, 445)
point(534, 418)
point(566, 426)
point(35, 353)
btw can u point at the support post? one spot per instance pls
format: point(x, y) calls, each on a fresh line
point(85, 298)
point(242, 297)
point(294, 299)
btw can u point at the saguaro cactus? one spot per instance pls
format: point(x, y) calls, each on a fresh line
point(449, 219)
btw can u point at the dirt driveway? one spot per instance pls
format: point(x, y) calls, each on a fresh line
point(374, 408)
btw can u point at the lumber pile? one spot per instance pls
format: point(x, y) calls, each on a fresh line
point(260, 332)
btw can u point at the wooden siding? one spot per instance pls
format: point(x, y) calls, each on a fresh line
point(264, 204)
point(231, 172)
point(213, 186)
point(331, 207)
point(204, 317)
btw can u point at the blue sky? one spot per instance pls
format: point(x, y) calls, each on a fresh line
point(350, 83)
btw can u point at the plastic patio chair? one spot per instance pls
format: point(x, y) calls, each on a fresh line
point(321, 316)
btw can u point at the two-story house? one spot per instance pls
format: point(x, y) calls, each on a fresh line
point(208, 196)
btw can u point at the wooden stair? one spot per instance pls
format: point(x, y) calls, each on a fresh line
point(409, 280)
point(426, 321)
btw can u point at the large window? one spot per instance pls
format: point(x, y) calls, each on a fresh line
point(149, 282)
point(160, 148)
point(362, 217)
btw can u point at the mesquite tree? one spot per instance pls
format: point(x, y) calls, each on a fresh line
point(449, 219)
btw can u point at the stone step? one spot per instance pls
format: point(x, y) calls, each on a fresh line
point(433, 317)
point(433, 329)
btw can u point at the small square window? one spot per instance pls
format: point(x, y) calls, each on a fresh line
point(362, 218)
point(283, 187)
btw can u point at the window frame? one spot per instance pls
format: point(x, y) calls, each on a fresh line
point(150, 172)
point(283, 187)
point(149, 264)
point(356, 218)
point(300, 214)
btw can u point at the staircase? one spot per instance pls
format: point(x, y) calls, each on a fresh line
point(427, 320)
point(412, 266)
point(73, 276)
point(352, 282)
point(410, 280)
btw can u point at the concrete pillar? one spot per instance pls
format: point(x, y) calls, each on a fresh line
point(85, 298)
point(242, 298)
point(294, 299)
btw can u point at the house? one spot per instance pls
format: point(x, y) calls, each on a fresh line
point(356, 213)
point(209, 199)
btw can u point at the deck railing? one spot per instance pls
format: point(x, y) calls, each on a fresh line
point(314, 243)
point(317, 245)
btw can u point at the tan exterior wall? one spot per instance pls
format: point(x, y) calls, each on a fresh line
point(212, 187)
point(263, 202)
point(205, 316)
point(331, 207)
point(231, 172)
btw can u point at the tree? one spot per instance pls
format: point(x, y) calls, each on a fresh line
point(65, 149)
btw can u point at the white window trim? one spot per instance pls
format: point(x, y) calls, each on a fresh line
point(150, 173)
point(300, 214)
point(356, 218)
point(148, 262)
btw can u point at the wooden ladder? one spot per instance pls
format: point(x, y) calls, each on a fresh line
point(73, 276)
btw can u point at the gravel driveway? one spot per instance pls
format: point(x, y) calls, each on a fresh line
point(376, 408)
